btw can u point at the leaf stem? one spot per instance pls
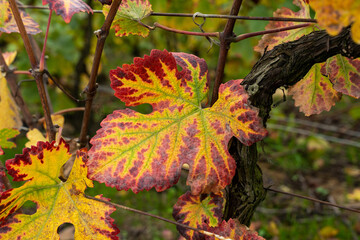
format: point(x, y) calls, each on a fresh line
point(42, 58)
point(213, 34)
point(210, 234)
point(224, 48)
point(313, 200)
point(37, 74)
point(76, 109)
point(253, 34)
point(160, 14)
point(91, 87)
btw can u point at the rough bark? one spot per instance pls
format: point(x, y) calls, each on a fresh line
point(283, 66)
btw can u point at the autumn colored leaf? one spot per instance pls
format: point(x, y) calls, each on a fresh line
point(269, 41)
point(67, 8)
point(127, 18)
point(10, 117)
point(5, 135)
point(8, 24)
point(334, 15)
point(198, 213)
point(344, 73)
point(57, 202)
point(2, 184)
point(34, 136)
point(234, 230)
point(314, 93)
point(141, 151)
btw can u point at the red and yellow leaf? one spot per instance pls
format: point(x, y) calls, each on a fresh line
point(2, 180)
point(269, 41)
point(334, 15)
point(10, 117)
point(57, 202)
point(314, 93)
point(198, 213)
point(128, 16)
point(67, 8)
point(232, 229)
point(8, 24)
point(344, 73)
point(140, 151)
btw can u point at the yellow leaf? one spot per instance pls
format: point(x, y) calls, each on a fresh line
point(10, 115)
point(57, 202)
point(9, 57)
point(355, 195)
point(34, 136)
point(57, 120)
point(328, 232)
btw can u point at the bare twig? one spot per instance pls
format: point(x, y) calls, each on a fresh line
point(253, 34)
point(77, 109)
point(213, 34)
point(224, 48)
point(34, 64)
point(210, 234)
point(91, 88)
point(314, 200)
point(42, 58)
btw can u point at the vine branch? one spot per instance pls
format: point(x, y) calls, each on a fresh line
point(91, 87)
point(205, 34)
point(37, 74)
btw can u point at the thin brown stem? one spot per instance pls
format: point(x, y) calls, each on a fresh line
point(11, 80)
point(314, 200)
point(158, 217)
point(205, 34)
point(34, 65)
point(76, 109)
point(253, 34)
point(224, 48)
point(279, 19)
point(42, 58)
point(18, 72)
point(91, 88)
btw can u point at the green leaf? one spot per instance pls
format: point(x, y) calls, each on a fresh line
point(5, 135)
point(127, 18)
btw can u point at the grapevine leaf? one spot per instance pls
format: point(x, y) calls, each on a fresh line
point(8, 24)
point(234, 230)
point(9, 57)
point(10, 117)
point(5, 135)
point(57, 202)
point(334, 15)
point(128, 17)
point(67, 8)
point(344, 73)
point(34, 136)
point(198, 213)
point(138, 151)
point(314, 93)
point(269, 41)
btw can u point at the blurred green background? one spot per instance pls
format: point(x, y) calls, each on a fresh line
point(316, 156)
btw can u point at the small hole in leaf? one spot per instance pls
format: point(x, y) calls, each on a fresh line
point(29, 207)
point(66, 231)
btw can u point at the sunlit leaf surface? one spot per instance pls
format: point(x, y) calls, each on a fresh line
point(140, 151)
point(57, 202)
point(198, 213)
point(67, 8)
point(128, 16)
